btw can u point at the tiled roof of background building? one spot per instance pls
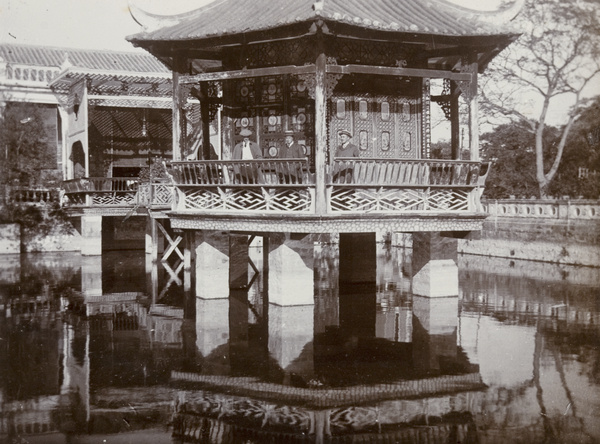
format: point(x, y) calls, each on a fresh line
point(81, 58)
point(227, 17)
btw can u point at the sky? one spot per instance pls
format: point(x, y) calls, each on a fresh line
point(96, 24)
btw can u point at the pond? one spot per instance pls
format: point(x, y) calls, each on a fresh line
point(113, 349)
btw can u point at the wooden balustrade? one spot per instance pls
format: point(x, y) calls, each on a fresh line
point(404, 173)
point(242, 172)
point(102, 191)
point(288, 185)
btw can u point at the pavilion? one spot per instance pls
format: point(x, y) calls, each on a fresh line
point(316, 67)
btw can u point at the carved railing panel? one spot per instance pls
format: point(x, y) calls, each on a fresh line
point(158, 194)
point(288, 186)
point(117, 191)
point(277, 185)
point(393, 185)
point(102, 191)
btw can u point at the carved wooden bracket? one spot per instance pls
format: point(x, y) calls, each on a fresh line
point(331, 81)
point(468, 88)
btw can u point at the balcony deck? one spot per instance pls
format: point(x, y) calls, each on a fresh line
point(362, 194)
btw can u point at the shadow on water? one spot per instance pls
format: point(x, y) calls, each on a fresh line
point(115, 348)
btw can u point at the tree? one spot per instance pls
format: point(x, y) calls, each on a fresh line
point(28, 159)
point(26, 144)
point(579, 171)
point(551, 63)
point(511, 150)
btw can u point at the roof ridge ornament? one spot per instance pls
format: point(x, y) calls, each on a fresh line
point(66, 64)
point(318, 6)
point(500, 16)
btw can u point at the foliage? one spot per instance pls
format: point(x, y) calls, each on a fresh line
point(39, 219)
point(29, 160)
point(511, 150)
point(579, 172)
point(26, 145)
point(441, 150)
point(552, 63)
point(156, 170)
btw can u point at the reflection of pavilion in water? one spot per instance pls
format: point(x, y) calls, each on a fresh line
point(370, 359)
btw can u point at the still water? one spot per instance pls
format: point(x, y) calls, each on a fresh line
point(113, 350)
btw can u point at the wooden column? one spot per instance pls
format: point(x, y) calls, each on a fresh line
point(474, 114)
point(454, 121)
point(178, 102)
point(204, 113)
point(320, 134)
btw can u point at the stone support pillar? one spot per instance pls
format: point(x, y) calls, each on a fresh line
point(238, 261)
point(291, 270)
point(212, 324)
point(358, 283)
point(91, 235)
point(434, 331)
point(327, 307)
point(291, 328)
point(211, 257)
point(91, 276)
point(434, 269)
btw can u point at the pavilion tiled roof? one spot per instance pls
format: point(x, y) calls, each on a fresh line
point(115, 61)
point(229, 17)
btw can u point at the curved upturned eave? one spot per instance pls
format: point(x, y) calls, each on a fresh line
point(220, 19)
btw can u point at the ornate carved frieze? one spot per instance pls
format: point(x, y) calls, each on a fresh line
point(372, 53)
point(290, 52)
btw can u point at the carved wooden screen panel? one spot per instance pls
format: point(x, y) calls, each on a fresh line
point(340, 118)
point(384, 116)
point(407, 128)
point(363, 125)
point(301, 122)
point(244, 113)
point(271, 122)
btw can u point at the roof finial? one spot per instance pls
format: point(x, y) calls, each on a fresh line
point(318, 6)
point(66, 63)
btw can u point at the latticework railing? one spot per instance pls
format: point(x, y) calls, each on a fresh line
point(274, 185)
point(158, 194)
point(393, 185)
point(288, 186)
point(117, 191)
point(102, 191)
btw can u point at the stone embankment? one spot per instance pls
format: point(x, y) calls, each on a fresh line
point(555, 231)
